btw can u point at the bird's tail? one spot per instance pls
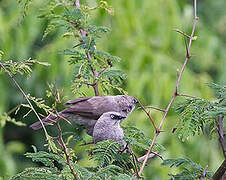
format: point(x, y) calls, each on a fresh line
point(51, 119)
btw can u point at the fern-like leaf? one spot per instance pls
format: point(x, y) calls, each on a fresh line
point(189, 169)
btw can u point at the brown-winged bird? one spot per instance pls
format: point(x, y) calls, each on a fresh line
point(87, 110)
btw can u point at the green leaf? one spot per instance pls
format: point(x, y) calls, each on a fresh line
point(46, 158)
point(137, 140)
point(5, 118)
point(98, 31)
point(38, 174)
point(189, 169)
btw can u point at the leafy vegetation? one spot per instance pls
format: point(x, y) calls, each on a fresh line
point(189, 169)
point(79, 48)
point(199, 115)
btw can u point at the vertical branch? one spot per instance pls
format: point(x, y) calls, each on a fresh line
point(95, 73)
point(77, 4)
point(221, 134)
point(25, 96)
point(220, 171)
point(175, 93)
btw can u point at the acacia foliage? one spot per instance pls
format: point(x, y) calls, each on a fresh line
point(70, 21)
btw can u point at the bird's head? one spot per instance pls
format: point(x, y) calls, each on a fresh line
point(128, 103)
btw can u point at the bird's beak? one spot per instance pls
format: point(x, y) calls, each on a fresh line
point(122, 117)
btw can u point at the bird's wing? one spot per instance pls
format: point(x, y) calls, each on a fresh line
point(78, 100)
point(82, 108)
point(92, 108)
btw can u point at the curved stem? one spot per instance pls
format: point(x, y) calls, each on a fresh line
point(175, 93)
point(25, 96)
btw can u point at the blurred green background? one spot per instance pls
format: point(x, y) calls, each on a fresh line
point(142, 35)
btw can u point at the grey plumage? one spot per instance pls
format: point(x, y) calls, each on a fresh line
point(108, 127)
point(87, 110)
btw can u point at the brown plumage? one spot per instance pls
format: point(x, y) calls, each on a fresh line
point(87, 110)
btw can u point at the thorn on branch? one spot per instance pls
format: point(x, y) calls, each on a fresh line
point(174, 129)
point(185, 95)
point(151, 155)
point(186, 46)
point(181, 32)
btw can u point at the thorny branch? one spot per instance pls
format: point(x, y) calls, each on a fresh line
point(26, 97)
point(175, 93)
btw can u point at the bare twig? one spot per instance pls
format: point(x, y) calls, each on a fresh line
point(185, 95)
point(175, 93)
point(221, 135)
point(220, 171)
point(148, 114)
point(134, 162)
point(151, 155)
point(181, 32)
point(152, 107)
point(64, 149)
point(95, 73)
point(65, 119)
point(27, 99)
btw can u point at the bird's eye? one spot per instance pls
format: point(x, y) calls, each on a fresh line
point(112, 116)
point(135, 101)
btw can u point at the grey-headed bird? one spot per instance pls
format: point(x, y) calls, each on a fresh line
point(108, 127)
point(87, 110)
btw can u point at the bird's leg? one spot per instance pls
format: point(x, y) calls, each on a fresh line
point(123, 149)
